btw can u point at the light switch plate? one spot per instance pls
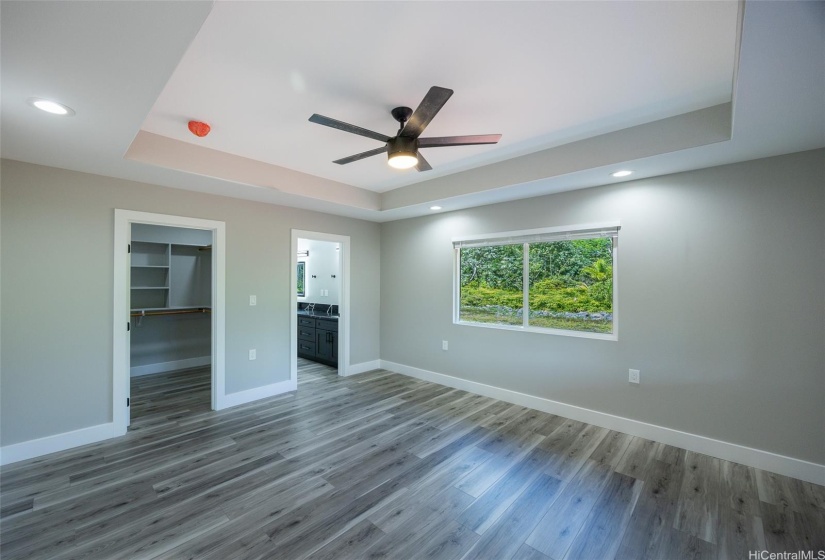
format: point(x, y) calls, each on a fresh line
point(253, 354)
point(253, 300)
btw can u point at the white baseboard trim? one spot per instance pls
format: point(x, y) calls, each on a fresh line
point(162, 367)
point(52, 444)
point(250, 395)
point(363, 367)
point(757, 458)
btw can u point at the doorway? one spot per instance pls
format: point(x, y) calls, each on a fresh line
point(320, 296)
point(170, 311)
point(169, 295)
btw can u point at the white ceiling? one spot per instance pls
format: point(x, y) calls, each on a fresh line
point(538, 73)
point(544, 74)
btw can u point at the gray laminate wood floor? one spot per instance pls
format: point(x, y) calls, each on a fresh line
point(383, 466)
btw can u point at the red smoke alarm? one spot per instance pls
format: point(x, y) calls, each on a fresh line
point(199, 129)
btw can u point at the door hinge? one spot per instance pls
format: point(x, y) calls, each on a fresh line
point(128, 326)
point(129, 248)
point(127, 401)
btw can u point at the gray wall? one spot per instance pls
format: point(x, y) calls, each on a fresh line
point(57, 276)
point(168, 338)
point(168, 234)
point(720, 291)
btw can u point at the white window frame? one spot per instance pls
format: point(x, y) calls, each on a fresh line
point(591, 230)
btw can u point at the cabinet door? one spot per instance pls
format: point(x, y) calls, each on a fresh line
point(334, 343)
point(323, 344)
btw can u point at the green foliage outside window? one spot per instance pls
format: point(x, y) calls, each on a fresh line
point(571, 285)
point(301, 279)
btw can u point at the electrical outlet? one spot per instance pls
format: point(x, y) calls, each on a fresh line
point(444, 345)
point(253, 354)
point(253, 300)
point(633, 376)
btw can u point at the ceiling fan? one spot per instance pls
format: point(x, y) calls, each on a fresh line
point(402, 149)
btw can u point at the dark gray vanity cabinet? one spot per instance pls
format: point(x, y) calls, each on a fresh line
point(306, 337)
point(318, 339)
point(326, 340)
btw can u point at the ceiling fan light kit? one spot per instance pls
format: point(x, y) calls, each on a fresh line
point(402, 160)
point(402, 149)
point(402, 152)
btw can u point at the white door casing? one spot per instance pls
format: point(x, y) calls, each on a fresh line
point(121, 308)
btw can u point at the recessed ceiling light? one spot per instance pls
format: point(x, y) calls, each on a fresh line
point(52, 107)
point(435, 207)
point(622, 173)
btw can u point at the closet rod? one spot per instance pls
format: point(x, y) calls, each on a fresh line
point(171, 312)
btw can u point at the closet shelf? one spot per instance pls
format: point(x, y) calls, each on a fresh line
point(150, 311)
point(169, 275)
point(150, 266)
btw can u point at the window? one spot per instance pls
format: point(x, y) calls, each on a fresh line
point(301, 279)
point(554, 280)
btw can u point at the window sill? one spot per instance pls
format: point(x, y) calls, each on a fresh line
point(559, 332)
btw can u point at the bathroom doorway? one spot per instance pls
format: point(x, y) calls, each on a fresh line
point(320, 295)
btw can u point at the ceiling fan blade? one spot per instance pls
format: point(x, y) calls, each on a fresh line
point(427, 109)
point(423, 164)
point(362, 155)
point(346, 127)
point(440, 141)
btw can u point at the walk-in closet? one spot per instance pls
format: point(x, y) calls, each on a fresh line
point(171, 338)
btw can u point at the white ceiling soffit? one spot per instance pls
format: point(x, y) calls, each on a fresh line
point(174, 154)
point(697, 128)
point(106, 60)
point(110, 61)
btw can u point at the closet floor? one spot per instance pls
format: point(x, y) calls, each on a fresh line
point(379, 465)
point(161, 397)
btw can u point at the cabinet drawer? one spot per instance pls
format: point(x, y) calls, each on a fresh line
point(327, 324)
point(304, 321)
point(306, 347)
point(306, 333)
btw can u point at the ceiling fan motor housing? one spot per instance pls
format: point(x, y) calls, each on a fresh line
point(402, 145)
